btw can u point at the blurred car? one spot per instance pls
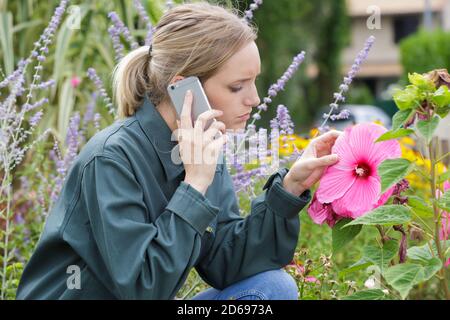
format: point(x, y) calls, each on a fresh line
point(358, 114)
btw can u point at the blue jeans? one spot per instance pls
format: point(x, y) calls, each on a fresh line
point(268, 285)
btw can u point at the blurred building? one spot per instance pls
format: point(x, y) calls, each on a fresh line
point(390, 21)
point(397, 20)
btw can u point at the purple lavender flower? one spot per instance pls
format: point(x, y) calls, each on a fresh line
point(46, 38)
point(89, 114)
point(169, 4)
point(344, 114)
point(97, 118)
point(248, 14)
point(284, 120)
point(14, 76)
point(119, 49)
point(339, 96)
point(44, 41)
point(145, 18)
point(279, 85)
point(27, 107)
point(44, 85)
point(72, 139)
point(34, 120)
point(92, 74)
point(120, 28)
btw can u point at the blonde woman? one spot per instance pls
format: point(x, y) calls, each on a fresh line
point(130, 223)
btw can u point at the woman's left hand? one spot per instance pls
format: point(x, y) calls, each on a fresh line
point(309, 168)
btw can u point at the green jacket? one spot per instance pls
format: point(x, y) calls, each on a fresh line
point(132, 229)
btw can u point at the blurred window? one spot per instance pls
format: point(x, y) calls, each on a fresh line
point(405, 25)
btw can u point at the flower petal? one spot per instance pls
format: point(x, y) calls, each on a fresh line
point(334, 183)
point(317, 211)
point(359, 199)
point(385, 197)
point(342, 148)
point(362, 139)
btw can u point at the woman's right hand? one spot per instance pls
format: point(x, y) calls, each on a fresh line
point(199, 150)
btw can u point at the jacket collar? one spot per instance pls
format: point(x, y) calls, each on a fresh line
point(160, 135)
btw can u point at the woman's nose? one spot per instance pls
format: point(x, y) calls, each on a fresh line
point(253, 101)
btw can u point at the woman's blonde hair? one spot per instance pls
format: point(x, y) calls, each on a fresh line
point(193, 39)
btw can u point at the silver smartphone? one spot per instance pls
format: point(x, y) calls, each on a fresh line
point(177, 92)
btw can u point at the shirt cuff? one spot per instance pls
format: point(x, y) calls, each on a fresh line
point(193, 207)
point(281, 201)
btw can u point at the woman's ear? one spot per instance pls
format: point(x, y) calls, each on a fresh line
point(176, 79)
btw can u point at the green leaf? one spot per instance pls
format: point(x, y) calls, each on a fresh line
point(407, 98)
point(403, 277)
point(341, 236)
point(441, 97)
point(399, 133)
point(422, 253)
point(401, 117)
point(444, 201)
point(444, 177)
point(421, 82)
point(66, 103)
point(360, 265)
point(427, 128)
point(392, 171)
point(6, 41)
point(420, 207)
point(430, 269)
point(388, 215)
point(372, 294)
point(443, 111)
point(381, 256)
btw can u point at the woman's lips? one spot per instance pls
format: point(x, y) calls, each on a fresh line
point(244, 117)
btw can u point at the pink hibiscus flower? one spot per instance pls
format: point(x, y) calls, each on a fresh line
point(445, 221)
point(352, 187)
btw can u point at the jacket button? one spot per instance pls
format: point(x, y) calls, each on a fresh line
point(209, 229)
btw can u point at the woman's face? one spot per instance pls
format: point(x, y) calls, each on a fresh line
point(232, 89)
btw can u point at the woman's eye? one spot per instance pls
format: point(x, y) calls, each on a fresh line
point(235, 89)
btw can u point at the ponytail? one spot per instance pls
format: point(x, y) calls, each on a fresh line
point(131, 81)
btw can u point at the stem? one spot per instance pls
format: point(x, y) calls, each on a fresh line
point(6, 236)
point(442, 272)
point(443, 157)
point(382, 233)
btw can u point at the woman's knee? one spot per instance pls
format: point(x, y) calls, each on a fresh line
point(276, 285)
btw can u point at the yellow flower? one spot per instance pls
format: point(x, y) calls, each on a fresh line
point(288, 144)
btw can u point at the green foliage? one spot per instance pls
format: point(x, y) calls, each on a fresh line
point(402, 116)
point(342, 236)
point(403, 277)
point(387, 215)
point(425, 51)
point(372, 294)
point(392, 171)
point(420, 207)
point(395, 134)
point(381, 254)
point(428, 127)
point(444, 201)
